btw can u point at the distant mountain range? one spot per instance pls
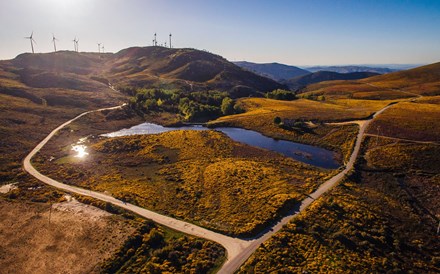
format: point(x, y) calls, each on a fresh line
point(423, 80)
point(321, 76)
point(296, 77)
point(350, 69)
point(275, 71)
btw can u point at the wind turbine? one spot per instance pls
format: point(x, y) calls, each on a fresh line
point(170, 40)
point(32, 41)
point(76, 42)
point(54, 44)
point(103, 49)
point(155, 40)
point(99, 47)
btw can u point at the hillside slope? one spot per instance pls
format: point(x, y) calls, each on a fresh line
point(189, 69)
point(424, 80)
point(321, 76)
point(274, 71)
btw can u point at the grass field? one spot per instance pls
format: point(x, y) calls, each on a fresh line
point(415, 121)
point(200, 176)
point(403, 84)
point(355, 227)
point(383, 218)
point(260, 113)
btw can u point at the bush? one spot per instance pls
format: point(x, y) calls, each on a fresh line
point(281, 94)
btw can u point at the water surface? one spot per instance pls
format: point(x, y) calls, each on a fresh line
point(312, 155)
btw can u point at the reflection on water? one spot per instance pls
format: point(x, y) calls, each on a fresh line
point(81, 150)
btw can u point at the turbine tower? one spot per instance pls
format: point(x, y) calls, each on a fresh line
point(103, 49)
point(74, 44)
point(32, 41)
point(99, 47)
point(155, 40)
point(54, 43)
point(170, 40)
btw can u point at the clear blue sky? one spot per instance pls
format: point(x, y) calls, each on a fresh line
point(312, 32)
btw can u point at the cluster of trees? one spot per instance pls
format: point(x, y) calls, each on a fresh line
point(291, 124)
point(152, 249)
point(281, 94)
point(193, 106)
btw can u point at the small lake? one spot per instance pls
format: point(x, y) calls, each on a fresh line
point(308, 154)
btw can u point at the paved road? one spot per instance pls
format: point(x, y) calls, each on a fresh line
point(238, 250)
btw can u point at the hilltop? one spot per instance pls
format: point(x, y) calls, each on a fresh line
point(321, 76)
point(274, 71)
point(189, 69)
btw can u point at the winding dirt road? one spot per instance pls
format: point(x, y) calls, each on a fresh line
point(238, 250)
point(232, 265)
point(233, 246)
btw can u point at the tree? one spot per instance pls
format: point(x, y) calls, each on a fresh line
point(227, 106)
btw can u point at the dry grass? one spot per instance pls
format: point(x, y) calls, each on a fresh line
point(410, 83)
point(200, 176)
point(415, 121)
point(260, 113)
point(31, 245)
point(354, 228)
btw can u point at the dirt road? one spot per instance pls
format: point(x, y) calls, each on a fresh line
point(238, 250)
point(234, 246)
point(232, 265)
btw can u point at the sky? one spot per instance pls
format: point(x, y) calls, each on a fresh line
point(307, 32)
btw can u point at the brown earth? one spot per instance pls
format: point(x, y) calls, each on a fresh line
point(68, 244)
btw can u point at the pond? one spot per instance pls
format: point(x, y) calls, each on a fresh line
point(312, 155)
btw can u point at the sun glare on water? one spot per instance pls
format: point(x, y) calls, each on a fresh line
point(81, 150)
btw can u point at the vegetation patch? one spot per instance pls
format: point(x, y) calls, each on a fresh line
point(407, 120)
point(200, 176)
point(260, 115)
point(155, 249)
point(355, 227)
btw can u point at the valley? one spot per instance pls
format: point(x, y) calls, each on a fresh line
point(203, 183)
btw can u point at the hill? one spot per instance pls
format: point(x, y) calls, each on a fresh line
point(189, 69)
point(321, 76)
point(349, 69)
point(424, 80)
point(274, 71)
